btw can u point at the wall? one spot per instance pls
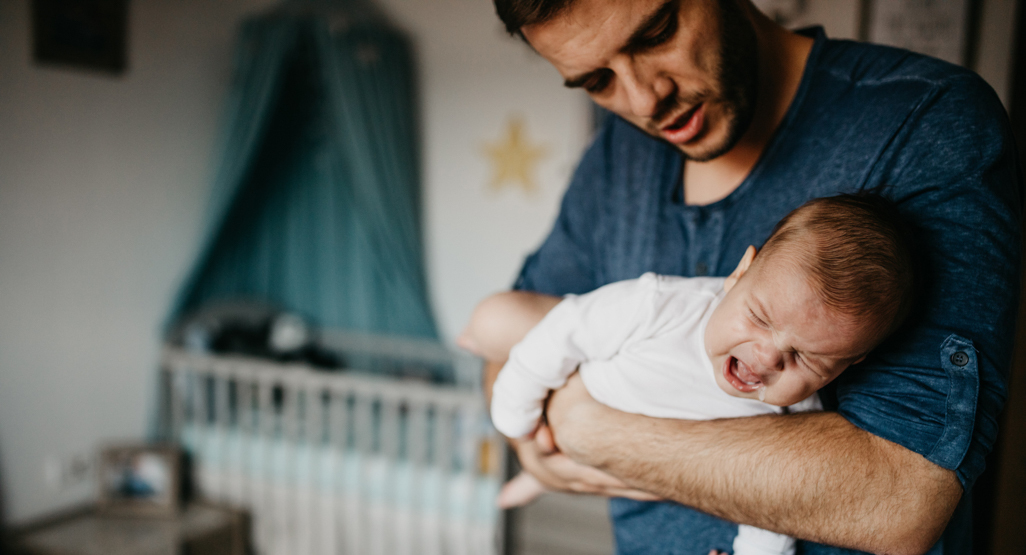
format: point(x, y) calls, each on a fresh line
point(995, 47)
point(103, 181)
point(474, 77)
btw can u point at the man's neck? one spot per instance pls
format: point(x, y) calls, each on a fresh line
point(782, 59)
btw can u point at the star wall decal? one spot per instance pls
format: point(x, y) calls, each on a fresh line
point(514, 158)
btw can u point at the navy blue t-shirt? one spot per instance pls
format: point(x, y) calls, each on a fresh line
point(931, 136)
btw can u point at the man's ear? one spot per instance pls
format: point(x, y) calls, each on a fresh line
point(742, 267)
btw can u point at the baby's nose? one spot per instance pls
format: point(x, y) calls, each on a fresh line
point(769, 357)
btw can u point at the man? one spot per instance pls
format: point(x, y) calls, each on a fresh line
point(725, 123)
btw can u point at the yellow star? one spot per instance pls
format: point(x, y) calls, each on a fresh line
point(514, 159)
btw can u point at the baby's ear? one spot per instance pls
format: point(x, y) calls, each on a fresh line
point(742, 267)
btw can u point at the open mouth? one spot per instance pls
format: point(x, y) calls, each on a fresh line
point(686, 126)
point(739, 376)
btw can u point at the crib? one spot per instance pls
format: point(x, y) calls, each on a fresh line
point(337, 463)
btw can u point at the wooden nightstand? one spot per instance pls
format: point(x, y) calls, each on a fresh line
point(198, 530)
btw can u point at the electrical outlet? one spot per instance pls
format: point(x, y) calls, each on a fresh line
point(63, 473)
point(79, 469)
point(52, 472)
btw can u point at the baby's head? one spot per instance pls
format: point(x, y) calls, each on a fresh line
point(831, 282)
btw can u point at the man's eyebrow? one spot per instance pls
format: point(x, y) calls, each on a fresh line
point(652, 22)
point(636, 39)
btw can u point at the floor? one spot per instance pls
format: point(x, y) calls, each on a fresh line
point(562, 524)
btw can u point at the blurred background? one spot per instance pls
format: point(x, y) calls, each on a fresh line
point(156, 218)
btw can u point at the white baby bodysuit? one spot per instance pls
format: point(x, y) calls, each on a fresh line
point(640, 347)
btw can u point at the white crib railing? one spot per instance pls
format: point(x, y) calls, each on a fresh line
point(338, 463)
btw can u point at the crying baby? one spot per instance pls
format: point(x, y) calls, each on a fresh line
point(832, 281)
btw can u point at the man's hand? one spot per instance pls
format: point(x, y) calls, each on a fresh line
point(541, 458)
point(556, 471)
point(812, 476)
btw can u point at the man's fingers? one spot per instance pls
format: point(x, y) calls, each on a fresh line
point(519, 491)
point(559, 472)
point(543, 437)
point(561, 400)
point(540, 457)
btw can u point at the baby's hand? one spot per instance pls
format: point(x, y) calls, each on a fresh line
point(519, 491)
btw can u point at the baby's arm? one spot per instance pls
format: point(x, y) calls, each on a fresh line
point(578, 329)
point(502, 320)
point(590, 326)
point(496, 325)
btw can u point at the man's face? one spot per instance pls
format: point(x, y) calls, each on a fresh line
point(681, 70)
point(772, 338)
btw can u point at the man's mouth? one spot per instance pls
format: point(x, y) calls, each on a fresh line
point(740, 376)
point(686, 126)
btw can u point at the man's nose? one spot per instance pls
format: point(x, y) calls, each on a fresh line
point(642, 91)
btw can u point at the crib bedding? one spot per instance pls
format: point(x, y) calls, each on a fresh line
point(339, 464)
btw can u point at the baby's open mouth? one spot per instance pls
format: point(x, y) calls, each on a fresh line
point(740, 377)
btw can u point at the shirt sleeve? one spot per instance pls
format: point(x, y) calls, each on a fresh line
point(580, 328)
point(938, 385)
point(756, 541)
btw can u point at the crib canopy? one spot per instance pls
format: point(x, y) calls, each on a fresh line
point(316, 203)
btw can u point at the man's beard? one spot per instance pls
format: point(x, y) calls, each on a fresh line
point(737, 74)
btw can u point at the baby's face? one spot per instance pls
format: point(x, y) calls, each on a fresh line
point(771, 338)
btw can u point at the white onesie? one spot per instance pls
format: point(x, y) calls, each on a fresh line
point(640, 347)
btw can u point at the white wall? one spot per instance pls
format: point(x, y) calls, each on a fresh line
point(103, 181)
point(474, 77)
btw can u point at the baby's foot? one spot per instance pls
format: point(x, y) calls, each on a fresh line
point(519, 491)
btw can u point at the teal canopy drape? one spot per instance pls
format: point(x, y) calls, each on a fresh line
point(316, 204)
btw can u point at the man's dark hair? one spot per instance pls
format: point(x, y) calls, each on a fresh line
point(857, 251)
point(516, 14)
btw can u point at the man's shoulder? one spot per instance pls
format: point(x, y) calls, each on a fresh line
point(874, 64)
point(897, 78)
point(892, 115)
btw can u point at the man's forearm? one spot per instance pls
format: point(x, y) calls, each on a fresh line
point(812, 476)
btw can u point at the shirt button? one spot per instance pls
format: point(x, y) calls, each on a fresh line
point(960, 359)
point(701, 269)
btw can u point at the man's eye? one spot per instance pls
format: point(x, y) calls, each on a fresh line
point(659, 34)
point(599, 81)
